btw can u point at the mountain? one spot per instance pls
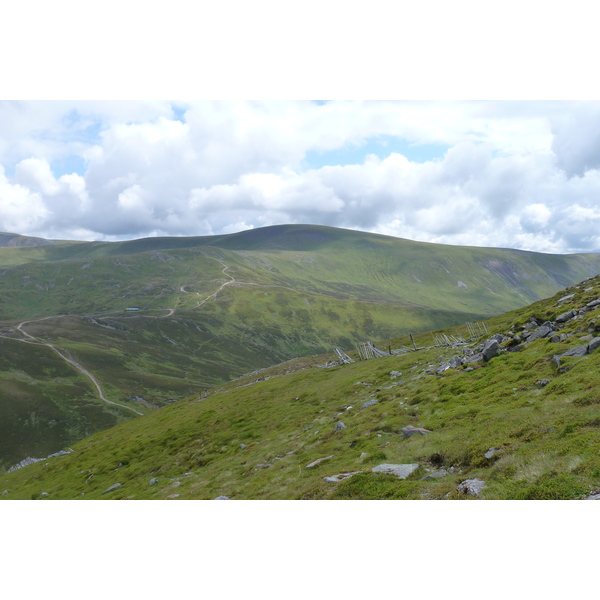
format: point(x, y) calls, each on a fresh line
point(508, 414)
point(94, 333)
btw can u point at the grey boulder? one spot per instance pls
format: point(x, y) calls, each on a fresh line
point(399, 471)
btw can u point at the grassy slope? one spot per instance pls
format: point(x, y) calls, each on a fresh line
point(547, 438)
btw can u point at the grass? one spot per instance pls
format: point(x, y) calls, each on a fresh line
point(546, 438)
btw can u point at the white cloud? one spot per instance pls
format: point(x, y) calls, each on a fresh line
point(516, 174)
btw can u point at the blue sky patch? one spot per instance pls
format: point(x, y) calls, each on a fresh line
point(68, 165)
point(381, 146)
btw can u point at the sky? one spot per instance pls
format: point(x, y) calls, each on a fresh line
point(520, 174)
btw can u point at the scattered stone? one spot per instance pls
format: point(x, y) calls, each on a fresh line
point(363, 455)
point(566, 316)
point(542, 382)
point(490, 349)
point(593, 303)
point(586, 338)
point(410, 430)
point(264, 465)
point(339, 426)
point(395, 374)
point(399, 471)
point(593, 497)
point(44, 494)
point(242, 446)
point(490, 452)
point(221, 498)
point(153, 481)
point(340, 477)
point(474, 358)
point(472, 487)
point(112, 488)
point(318, 461)
point(5, 492)
point(171, 496)
point(368, 403)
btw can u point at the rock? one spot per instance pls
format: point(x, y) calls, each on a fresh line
point(586, 338)
point(339, 426)
point(340, 477)
point(474, 358)
point(490, 452)
point(566, 316)
point(565, 298)
point(542, 382)
point(575, 352)
point(593, 497)
point(171, 496)
point(318, 461)
point(363, 455)
point(490, 349)
point(44, 494)
point(112, 488)
point(540, 332)
point(242, 446)
point(554, 339)
point(593, 303)
point(264, 465)
point(368, 403)
point(221, 498)
point(595, 343)
point(153, 481)
point(395, 374)
point(472, 487)
point(399, 471)
point(410, 430)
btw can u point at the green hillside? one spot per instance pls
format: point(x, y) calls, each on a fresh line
point(524, 424)
point(213, 308)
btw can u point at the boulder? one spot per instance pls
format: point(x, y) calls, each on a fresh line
point(472, 487)
point(435, 475)
point(565, 298)
point(566, 316)
point(112, 488)
point(540, 332)
point(490, 349)
point(595, 343)
point(410, 430)
point(593, 303)
point(368, 403)
point(314, 463)
point(399, 471)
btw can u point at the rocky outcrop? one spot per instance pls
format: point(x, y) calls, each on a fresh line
point(30, 461)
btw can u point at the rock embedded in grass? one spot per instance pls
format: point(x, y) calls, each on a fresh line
point(399, 471)
point(112, 488)
point(314, 463)
point(410, 430)
point(340, 477)
point(471, 487)
point(339, 426)
point(368, 403)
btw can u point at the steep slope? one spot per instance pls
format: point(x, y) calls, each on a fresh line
point(521, 425)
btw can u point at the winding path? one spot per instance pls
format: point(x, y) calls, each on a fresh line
point(73, 363)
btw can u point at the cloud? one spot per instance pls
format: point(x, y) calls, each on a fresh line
point(515, 174)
